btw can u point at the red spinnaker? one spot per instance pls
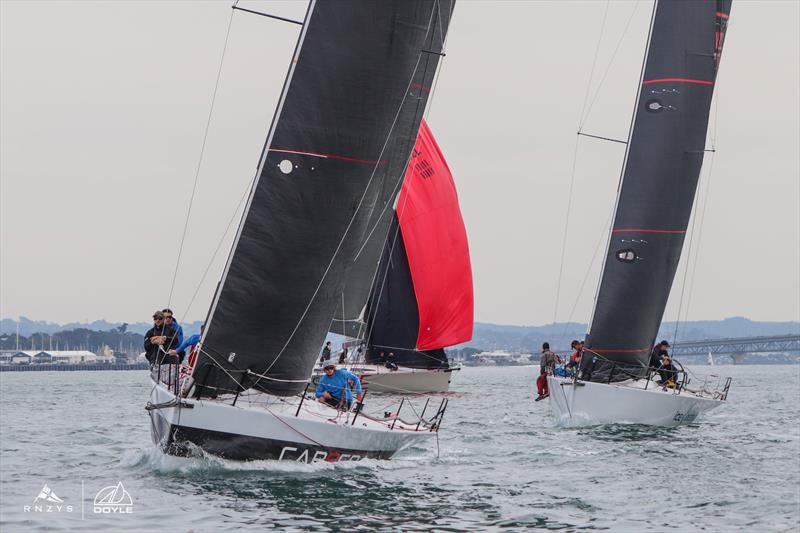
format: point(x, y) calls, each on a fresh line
point(436, 245)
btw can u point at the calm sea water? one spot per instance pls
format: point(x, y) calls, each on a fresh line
point(501, 465)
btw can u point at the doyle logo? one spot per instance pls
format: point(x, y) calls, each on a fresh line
point(113, 499)
point(47, 502)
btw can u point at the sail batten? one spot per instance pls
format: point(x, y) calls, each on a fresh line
point(339, 125)
point(659, 182)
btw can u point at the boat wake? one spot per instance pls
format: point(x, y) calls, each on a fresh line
point(153, 460)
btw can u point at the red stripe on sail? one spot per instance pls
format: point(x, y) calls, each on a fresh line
point(648, 231)
point(682, 80)
point(436, 245)
point(327, 156)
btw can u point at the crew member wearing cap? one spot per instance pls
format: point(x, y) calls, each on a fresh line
point(334, 387)
point(161, 335)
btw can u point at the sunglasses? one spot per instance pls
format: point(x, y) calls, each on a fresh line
point(159, 319)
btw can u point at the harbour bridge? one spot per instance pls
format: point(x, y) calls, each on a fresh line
point(739, 347)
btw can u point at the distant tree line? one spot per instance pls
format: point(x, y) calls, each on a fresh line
point(118, 339)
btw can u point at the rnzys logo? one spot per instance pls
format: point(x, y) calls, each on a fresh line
point(47, 502)
point(113, 499)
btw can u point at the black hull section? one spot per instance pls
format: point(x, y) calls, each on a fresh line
point(184, 441)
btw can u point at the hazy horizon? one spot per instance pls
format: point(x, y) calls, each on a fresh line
point(103, 108)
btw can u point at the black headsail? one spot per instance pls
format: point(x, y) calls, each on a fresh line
point(362, 272)
point(392, 314)
point(318, 182)
point(659, 180)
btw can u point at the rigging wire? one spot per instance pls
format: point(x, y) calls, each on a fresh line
point(692, 274)
point(399, 183)
point(200, 160)
point(581, 120)
point(706, 200)
point(600, 241)
point(608, 67)
point(217, 249)
point(566, 230)
point(399, 209)
point(594, 64)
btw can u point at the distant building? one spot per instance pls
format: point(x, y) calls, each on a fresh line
point(22, 358)
point(72, 357)
point(502, 357)
point(42, 358)
point(105, 355)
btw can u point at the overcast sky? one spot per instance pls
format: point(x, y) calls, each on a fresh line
point(104, 105)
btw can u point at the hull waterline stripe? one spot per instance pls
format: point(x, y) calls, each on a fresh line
point(637, 230)
point(682, 80)
point(328, 156)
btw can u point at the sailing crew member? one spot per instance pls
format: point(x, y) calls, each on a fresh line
point(659, 350)
point(547, 365)
point(549, 360)
point(159, 339)
point(169, 320)
point(334, 387)
point(343, 355)
point(390, 364)
point(326, 353)
point(187, 343)
point(575, 358)
point(667, 371)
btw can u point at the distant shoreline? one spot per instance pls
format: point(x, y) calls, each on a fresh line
point(72, 368)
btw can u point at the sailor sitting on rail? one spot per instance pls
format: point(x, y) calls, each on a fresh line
point(335, 381)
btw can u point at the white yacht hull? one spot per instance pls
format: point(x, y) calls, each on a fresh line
point(378, 378)
point(583, 403)
point(273, 428)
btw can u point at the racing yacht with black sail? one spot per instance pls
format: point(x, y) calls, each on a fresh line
point(344, 127)
point(663, 159)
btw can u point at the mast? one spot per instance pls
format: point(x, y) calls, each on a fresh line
point(658, 185)
point(339, 124)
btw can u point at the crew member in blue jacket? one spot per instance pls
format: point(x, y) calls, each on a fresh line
point(335, 381)
point(186, 344)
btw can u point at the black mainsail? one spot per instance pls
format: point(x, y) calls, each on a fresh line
point(659, 180)
point(362, 271)
point(341, 124)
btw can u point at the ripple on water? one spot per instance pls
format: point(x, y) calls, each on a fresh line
point(502, 465)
